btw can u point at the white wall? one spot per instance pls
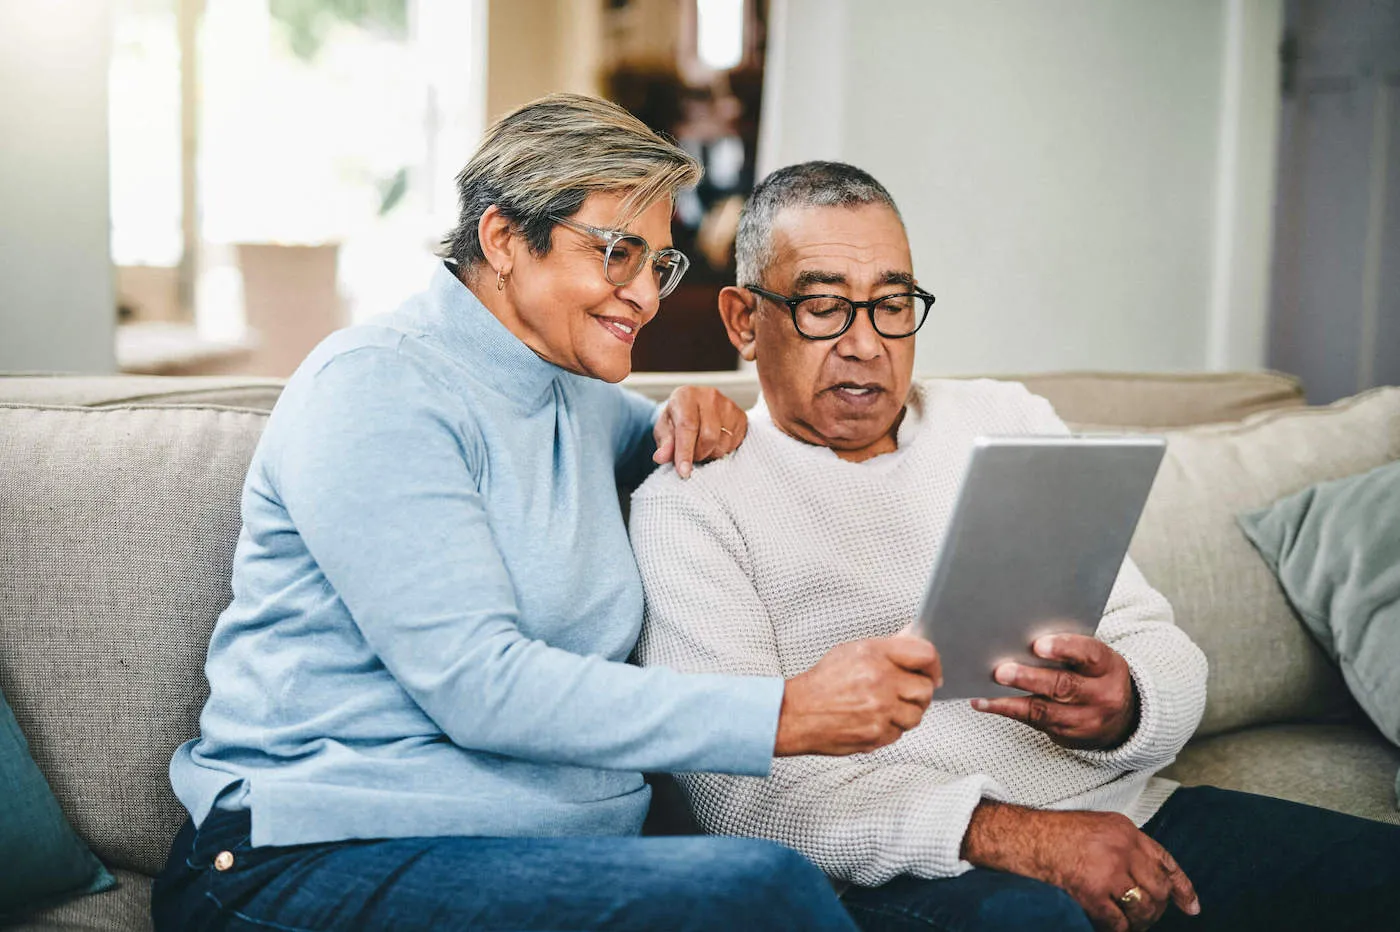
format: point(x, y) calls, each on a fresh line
point(1247, 150)
point(56, 298)
point(1072, 174)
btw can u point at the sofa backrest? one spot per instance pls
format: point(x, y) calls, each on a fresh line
point(118, 518)
point(1125, 399)
point(1264, 666)
point(111, 391)
point(117, 529)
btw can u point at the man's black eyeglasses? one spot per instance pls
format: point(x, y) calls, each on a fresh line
point(827, 316)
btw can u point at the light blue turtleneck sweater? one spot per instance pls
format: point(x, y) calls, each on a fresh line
point(433, 600)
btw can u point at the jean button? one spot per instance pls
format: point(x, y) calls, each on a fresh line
point(223, 860)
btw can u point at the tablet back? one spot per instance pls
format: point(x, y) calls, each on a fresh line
point(1036, 540)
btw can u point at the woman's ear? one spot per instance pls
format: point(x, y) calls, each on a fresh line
point(498, 241)
point(737, 307)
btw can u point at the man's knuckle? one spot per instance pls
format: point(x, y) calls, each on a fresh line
point(1108, 916)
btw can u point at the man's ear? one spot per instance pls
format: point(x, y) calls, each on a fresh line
point(498, 241)
point(737, 308)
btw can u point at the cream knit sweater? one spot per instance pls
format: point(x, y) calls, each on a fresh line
point(763, 561)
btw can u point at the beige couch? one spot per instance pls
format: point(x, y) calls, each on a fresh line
point(119, 511)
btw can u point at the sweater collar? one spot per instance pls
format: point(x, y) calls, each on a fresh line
point(459, 324)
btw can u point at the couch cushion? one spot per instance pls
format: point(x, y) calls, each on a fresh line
point(117, 529)
point(1263, 665)
point(1346, 767)
point(127, 908)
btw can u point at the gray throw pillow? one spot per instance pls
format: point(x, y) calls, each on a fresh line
point(1335, 548)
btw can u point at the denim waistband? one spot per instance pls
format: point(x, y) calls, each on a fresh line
point(222, 830)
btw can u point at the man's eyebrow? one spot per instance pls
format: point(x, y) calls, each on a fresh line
point(815, 277)
point(807, 279)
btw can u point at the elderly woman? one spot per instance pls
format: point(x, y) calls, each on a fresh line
point(420, 714)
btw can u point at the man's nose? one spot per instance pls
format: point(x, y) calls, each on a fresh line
point(860, 341)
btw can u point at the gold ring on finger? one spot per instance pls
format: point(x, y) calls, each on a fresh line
point(1130, 898)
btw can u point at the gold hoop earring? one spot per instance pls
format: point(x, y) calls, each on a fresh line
point(501, 277)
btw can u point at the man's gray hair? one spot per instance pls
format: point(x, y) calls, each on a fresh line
point(806, 184)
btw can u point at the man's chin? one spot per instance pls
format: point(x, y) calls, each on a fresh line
point(871, 408)
point(857, 431)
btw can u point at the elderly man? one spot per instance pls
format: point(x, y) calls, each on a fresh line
point(1036, 812)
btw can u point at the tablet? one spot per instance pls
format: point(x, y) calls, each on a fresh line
point(1035, 543)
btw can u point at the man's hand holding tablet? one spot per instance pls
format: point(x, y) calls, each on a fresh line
point(1033, 547)
point(1088, 703)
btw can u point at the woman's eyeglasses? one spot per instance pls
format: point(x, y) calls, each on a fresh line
point(626, 254)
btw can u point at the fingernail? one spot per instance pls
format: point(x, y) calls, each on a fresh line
point(1194, 908)
point(1043, 646)
point(980, 705)
point(684, 469)
point(1004, 673)
point(939, 683)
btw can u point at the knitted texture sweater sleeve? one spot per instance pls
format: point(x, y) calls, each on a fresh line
point(772, 557)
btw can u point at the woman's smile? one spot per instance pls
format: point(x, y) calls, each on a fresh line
point(620, 327)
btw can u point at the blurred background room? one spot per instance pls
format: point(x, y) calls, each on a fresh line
point(212, 186)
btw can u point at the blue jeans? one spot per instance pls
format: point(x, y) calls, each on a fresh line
point(1256, 863)
point(452, 883)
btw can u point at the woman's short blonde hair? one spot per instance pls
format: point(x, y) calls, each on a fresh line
point(545, 158)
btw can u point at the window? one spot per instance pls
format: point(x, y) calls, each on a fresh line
point(312, 142)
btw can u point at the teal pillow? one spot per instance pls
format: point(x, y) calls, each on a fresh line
point(44, 859)
point(1335, 548)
